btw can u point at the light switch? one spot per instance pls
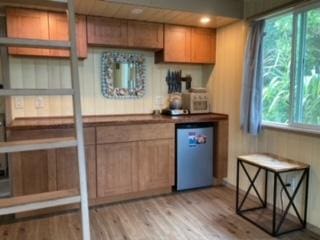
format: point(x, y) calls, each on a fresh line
point(159, 102)
point(19, 102)
point(39, 102)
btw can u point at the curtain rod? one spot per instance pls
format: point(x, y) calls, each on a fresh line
point(281, 9)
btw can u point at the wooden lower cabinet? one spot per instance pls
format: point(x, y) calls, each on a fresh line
point(156, 164)
point(123, 162)
point(32, 172)
point(67, 173)
point(117, 171)
point(133, 167)
point(51, 170)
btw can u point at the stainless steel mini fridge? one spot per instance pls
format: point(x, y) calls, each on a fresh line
point(194, 151)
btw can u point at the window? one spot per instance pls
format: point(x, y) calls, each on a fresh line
point(291, 69)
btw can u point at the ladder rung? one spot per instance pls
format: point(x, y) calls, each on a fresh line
point(58, 4)
point(36, 92)
point(38, 144)
point(38, 201)
point(34, 43)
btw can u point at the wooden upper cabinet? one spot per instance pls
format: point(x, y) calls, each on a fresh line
point(203, 45)
point(26, 23)
point(145, 35)
point(187, 45)
point(177, 44)
point(36, 24)
point(112, 32)
point(59, 30)
point(107, 31)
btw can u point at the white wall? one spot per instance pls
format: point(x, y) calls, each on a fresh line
point(55, 73)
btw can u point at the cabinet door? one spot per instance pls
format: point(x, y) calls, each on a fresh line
point(156, 164)
point(177, 44)
point(33, 172)
point(117, 171)
point(26, 23)
point(51, 170)
point(145, 35)
point(107, 31)
point(203, 46)
point(67, 174)
point(59, 30)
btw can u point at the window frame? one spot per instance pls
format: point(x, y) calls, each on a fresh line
point(293, 125)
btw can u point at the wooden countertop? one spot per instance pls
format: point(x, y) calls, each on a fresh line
point(92, 121)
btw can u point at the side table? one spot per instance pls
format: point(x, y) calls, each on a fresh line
point(271, 220)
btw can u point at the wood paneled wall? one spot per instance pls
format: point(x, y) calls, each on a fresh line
point(225, 89)
point(304, 148)
point(54, 73)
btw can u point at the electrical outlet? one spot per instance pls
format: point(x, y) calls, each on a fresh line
point(39, 102)
point(294, 183)
point(19, 102)
point(159, 102)
point(291, 182)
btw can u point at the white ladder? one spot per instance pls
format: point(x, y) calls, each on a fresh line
point(56, 198)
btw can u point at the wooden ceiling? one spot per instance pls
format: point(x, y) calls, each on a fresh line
point(116, 10)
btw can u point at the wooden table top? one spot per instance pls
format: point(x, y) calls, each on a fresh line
point(273, 162)
point(105, 120)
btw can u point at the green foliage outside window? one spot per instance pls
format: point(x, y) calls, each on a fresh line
point(292, 94)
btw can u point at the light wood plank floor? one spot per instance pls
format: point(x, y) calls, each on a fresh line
point(194, 215)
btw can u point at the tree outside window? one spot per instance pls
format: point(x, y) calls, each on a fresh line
point(291, 93)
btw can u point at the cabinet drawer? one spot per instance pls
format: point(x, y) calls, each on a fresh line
point(130, 133)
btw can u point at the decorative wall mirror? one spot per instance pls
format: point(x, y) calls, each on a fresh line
point(123, 75)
